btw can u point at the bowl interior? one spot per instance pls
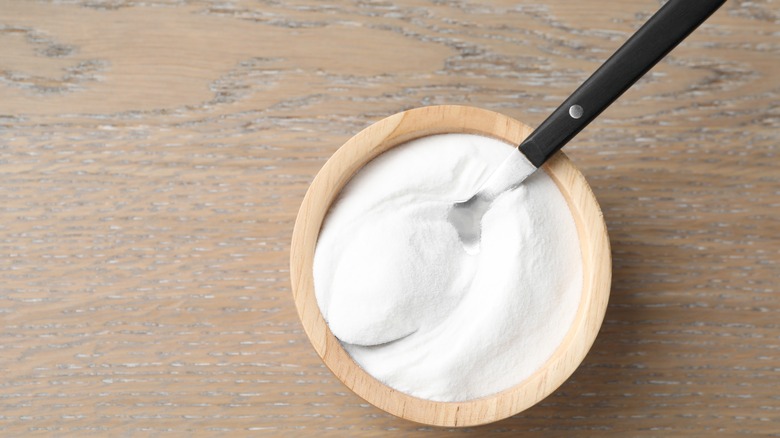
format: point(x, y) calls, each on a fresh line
point(594, 245)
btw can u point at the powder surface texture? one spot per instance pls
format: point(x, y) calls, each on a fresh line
point(416, 310)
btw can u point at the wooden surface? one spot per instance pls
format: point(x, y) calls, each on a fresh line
point(397, 130)
point(153, 156)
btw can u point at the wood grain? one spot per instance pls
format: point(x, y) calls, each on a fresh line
point(153, 156)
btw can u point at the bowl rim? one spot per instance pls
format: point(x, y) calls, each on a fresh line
point(594, 244)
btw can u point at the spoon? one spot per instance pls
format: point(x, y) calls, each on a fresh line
point(657, 37)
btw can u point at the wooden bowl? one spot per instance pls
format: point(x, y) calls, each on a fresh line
point(594, 243)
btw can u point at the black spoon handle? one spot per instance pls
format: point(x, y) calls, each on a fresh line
point(662, 33)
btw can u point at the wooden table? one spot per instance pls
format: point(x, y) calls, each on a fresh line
point(153, 156)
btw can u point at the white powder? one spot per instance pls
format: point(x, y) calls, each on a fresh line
point(417, 311)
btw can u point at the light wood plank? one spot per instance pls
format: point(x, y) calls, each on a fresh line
point(153, 156)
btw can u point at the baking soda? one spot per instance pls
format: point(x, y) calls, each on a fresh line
point(418, 311)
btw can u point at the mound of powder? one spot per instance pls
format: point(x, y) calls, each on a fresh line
point(413, 307)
